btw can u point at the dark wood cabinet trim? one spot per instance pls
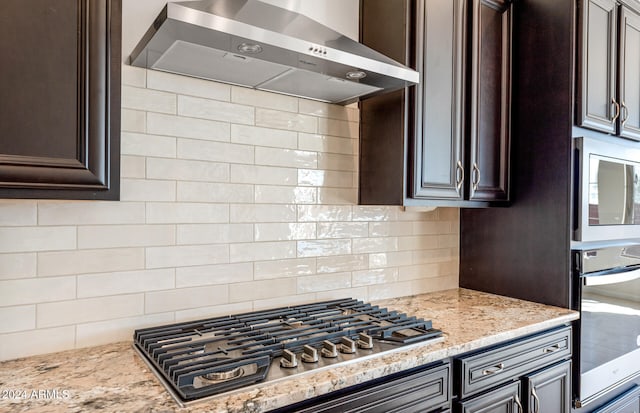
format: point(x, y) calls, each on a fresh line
point(94, 174)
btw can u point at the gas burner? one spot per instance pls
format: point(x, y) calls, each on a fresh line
point(207, 357)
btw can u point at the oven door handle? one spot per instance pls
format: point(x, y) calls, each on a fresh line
point(611, 278)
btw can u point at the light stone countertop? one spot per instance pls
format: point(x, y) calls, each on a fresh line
point(112, 378)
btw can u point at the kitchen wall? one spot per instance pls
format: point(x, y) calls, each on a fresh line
point(232, 200)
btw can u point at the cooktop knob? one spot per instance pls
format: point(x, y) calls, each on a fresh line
point(288, 360)
point(329, 350)
point(347, 345)
point(309, 354)
point(365, 341)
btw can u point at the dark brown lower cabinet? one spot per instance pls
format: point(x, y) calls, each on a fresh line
point(505, 399)
point(60, 99)
point(549, 390)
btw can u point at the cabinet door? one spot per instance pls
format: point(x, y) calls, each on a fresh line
point(490, 100)
point(629, 75)
point(60, 99)
point(438, 164)
point(597, 106)
point(506, 399)
point(550, 389)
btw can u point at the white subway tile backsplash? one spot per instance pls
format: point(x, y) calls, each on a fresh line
point(286, 157)
point(133, 166)
point(262, 213)
point(319, 213)
point(265, 175)
point(284, 231)
point(213, 274)
point(185, 298)
point(252, 97)
point(232, 200)
point(270, 194)
point(148, 100)
point(185, 213)
point(183, 170)
point(260, 251)
point(147, 145)
point(264, 270)
point(342, 263)
point(322, 143)
point(89, 309)
point(19, 318)
point(324, 282)
point(170, 125)
point(127, 282)
point(318, 177)
point(90, 261)
point(215, 151)
point(134, 76)
point(317, 248)
point(32, 342)
point(36, 290)
point(213, 311)
point(186, 255)
point(368, 245)
point(186, 85)
point(284, 120)
point(214, 192)
point(343, 229)
point(13, 266)
point(190, 234)
point(338, 196)
point(119, 329)
point(90, 213)
point(18, 213)
point(133, 120)
point(215, 110)
point(340, 128)
point(253, 135)
point(26, 239)
point(113, 236)
point(326, 110)
point(261, 290)
point(147, 190)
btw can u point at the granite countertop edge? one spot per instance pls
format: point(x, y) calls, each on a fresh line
point(113, 378)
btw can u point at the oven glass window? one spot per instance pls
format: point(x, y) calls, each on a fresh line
point(614, 192)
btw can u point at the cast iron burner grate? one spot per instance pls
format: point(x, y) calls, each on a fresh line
point(207, 357)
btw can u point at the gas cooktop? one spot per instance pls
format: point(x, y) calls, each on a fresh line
point(208, 357)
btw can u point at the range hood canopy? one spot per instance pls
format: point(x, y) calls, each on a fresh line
point(258, 45)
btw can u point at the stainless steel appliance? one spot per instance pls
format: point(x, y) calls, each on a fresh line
point(255, 44)
point(607, 189)
point(608, 293)
point(204, 358)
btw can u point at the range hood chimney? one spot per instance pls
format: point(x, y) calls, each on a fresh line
point(258, 45)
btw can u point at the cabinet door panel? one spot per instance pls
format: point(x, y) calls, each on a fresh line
point(439, 162)
point(629, 76)
point(550, 389)
point(597, 66)
point(490, 100)
point(60, 94)
point(503, 400)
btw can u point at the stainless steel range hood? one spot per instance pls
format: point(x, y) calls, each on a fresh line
point(255, 44)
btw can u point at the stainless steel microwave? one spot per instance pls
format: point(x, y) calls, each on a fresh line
point(607, 192)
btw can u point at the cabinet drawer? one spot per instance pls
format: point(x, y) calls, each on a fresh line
point(420, 391)
point(481, 371)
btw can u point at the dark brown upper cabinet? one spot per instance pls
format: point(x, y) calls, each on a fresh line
point(608, 93)
point(445, 141)
point(60, 97)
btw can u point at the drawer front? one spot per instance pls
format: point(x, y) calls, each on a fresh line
point(489, 368)
point(419, 392)
point(628, 402)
